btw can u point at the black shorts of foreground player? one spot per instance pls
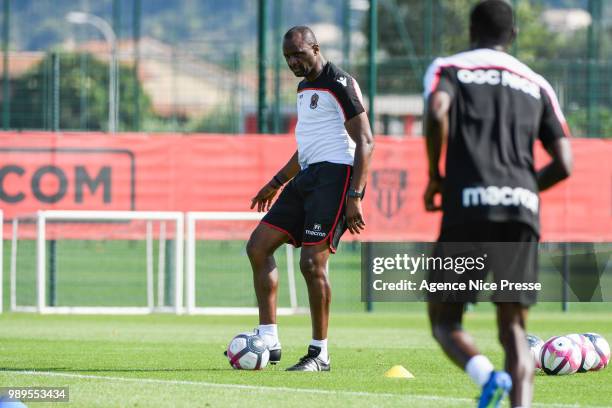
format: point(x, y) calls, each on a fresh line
point(508, 250)
point(489, 108)
point(324, 183)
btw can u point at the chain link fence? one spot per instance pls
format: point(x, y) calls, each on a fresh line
point(193, 67)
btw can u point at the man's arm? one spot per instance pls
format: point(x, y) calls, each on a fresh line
point(358, 129)
point(264, 197)
point(560, 167)
point(289, 170)
point(436, 132)
point(554, 135)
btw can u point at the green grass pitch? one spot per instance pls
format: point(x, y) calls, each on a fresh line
point(164, 360)
point(167, 360)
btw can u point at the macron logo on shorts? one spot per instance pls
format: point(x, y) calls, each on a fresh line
point(505, 196)
point(316, 231)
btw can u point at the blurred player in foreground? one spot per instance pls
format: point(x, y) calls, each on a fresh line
point(324, 182)
point(489, 108)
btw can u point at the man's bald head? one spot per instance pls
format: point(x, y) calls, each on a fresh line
point(302, 32)
point(302, 52)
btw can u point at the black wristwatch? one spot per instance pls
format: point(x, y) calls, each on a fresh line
point(352, 193)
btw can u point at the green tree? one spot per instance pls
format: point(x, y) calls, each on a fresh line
point(83, 95)
point(219, 120)
point(406, 27)
point(579, 123)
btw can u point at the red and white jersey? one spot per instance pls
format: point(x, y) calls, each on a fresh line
point(323, 105)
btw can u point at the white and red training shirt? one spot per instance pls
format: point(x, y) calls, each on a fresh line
point(323, 105)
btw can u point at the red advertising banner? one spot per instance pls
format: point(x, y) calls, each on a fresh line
point(172, 172)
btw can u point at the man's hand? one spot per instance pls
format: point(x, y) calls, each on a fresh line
point(560, 167)
point(354, 215)
point(359, 131)
point(265, 196)
point(434, 187)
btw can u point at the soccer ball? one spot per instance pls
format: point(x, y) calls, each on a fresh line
point(589, 355)
point(247, 351)
point(535, 345)
point(560, 355)
point(602, 348)
point(6, 402)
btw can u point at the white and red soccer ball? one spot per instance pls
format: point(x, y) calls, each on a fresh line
point(560, 355)
point(247, 351)
point(590, 358)
point(602, 348)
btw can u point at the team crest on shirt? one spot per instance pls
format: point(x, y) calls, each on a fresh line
point(389, 186)
point(314, 100)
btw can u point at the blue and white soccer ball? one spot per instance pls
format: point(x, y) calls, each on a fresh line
point(535, 345)
point(247, 351)
point(6, 402)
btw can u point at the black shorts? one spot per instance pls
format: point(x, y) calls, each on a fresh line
point(310, 209)
point(509, 250)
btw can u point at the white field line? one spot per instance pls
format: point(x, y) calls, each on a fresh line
point(268, 389)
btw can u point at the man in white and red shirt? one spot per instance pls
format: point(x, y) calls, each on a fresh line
point(324, 182)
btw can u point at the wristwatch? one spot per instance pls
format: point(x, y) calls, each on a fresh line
point(352, 193)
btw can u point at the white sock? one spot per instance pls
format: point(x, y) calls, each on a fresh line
point(479, 368)
point(269, 333)
point(322, 344)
